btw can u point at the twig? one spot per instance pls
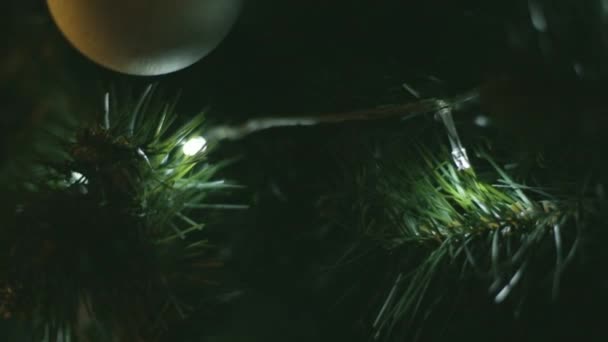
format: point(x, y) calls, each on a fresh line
point(402, 110)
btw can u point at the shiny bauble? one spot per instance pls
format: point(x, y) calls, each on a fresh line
point(145, 37)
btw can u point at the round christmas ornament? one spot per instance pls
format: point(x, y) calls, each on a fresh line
point(145, 37)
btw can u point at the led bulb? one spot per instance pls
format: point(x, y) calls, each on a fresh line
point(459, 154)
point(194, 146)
point(482, 121)
point(461, 159)
point(77, 177)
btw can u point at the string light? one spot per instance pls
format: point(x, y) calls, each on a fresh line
point(461, 159)
point(77, 177)
point(194, 146)
point(459, 153)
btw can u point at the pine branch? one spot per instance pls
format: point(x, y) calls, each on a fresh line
point(493, 226)
point(109, 231)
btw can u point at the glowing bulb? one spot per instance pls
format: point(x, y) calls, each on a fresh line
point(461, 159)
point(482, 121)
point(77, 177)
point(194, 146)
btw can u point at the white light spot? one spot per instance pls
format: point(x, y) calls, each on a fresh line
point(482, 121)
point(461, 159)
point(537, 16)
point(77, 177)
point(194, 146)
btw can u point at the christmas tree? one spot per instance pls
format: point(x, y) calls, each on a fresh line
point(340, 171)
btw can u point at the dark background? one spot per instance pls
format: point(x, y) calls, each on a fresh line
point(293, 57)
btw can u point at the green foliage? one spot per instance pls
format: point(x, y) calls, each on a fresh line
point(105, 236)
point(438, 223)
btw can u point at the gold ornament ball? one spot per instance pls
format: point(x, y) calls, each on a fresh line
point(145, 37)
